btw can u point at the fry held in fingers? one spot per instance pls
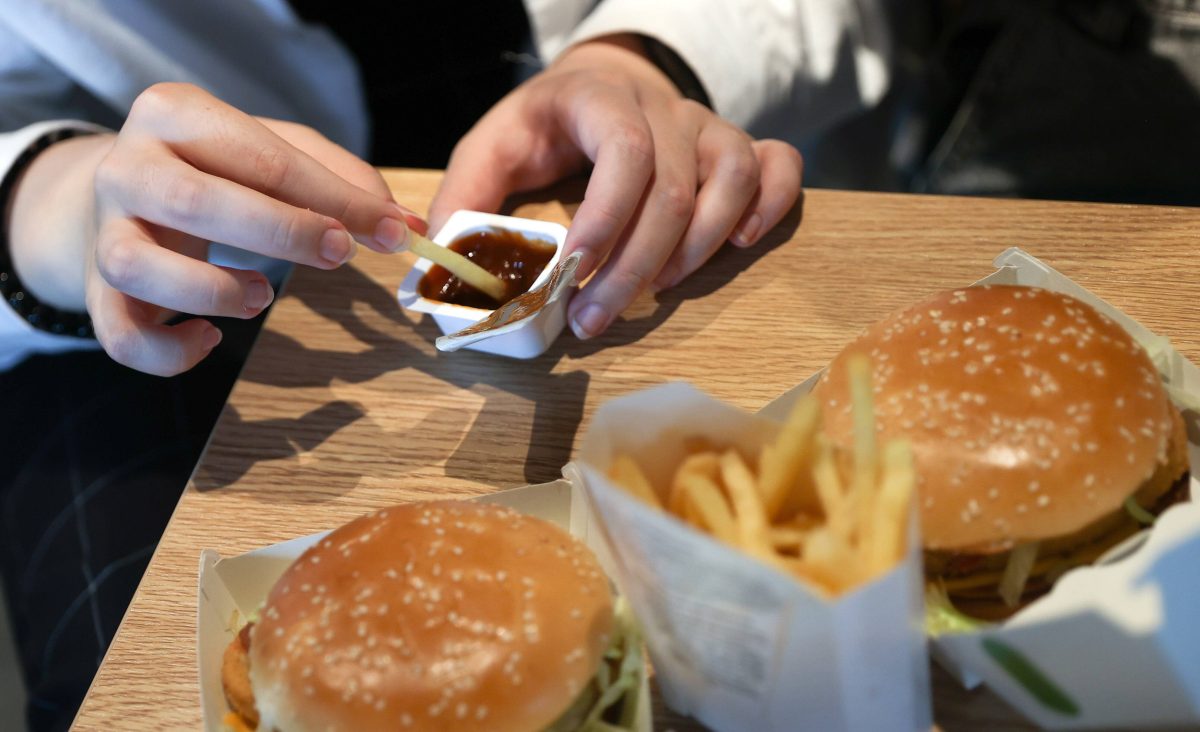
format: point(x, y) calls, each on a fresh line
point(459, 266)
point(834, 520)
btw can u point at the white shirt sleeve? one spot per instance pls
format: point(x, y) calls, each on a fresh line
point(783, 68)
point(18, 339)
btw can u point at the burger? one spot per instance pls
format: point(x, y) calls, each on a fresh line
point(1042, 436)
point(438, 616)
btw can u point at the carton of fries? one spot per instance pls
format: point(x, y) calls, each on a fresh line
point(814, 620)
point(233, 588)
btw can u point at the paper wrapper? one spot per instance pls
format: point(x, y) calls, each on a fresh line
point(232, 589)
point(734, 642)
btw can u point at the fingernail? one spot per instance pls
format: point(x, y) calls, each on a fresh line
point(211, 338)
point(416, 223)
point(411, 219)
point(391, 234)
point(337, 247)
point(587, 261)
point(747, 233)
point(590, 321)
point(258, 296)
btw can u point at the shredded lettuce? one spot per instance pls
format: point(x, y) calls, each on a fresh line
point(942, 618)
point(616, 686)
point(1016, 572)
point(1139, 514)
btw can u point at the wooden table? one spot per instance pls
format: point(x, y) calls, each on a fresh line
point(345, 405)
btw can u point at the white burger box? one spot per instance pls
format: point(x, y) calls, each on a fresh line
point(1115, 644)
point(233, 588)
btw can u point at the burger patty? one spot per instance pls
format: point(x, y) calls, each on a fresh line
point(972, 579)
point(235, 678)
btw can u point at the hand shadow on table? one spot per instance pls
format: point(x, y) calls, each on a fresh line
point(489, 452)
point(269, 439)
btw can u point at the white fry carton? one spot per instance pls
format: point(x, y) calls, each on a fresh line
point(1116, 645)
point(231, 589)
point(736, 643)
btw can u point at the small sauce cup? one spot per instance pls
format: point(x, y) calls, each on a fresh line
point(534, 334)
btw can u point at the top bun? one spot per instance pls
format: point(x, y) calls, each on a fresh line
point(1030, 414)
point(431, 616)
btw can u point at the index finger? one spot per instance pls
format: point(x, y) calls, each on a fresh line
point(616, 136)
point(224, 141)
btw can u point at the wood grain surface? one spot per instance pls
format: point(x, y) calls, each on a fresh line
point(345, 405)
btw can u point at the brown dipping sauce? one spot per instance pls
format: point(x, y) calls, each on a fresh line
point(516, 259)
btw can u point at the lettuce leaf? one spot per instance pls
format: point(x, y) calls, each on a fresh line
point(942, 618)
point(609, 703)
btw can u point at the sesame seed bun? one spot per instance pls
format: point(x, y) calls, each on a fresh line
point(1032, 417)
point(431, 616)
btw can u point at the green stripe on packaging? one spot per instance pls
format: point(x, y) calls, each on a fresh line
point(1029, 676)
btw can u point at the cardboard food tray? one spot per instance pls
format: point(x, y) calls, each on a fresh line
point(232, 588)
point(1111, 646)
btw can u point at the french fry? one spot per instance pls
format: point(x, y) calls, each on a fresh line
point(625, 472)
point(458, 265)
point(786, 537)
point(829, 490)
point(748, 509)
point(891, 508)
point(865, 455)
point(710, 506)
point(832, 520)
point(704, 464)
point(782, 462)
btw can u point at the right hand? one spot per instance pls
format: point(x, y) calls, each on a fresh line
point(187, 169)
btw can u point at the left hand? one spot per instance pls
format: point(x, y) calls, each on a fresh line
point(671, 182)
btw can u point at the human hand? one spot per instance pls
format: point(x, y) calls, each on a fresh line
point(120, 224)
point(671, 181)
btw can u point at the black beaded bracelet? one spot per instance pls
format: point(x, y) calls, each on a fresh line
point(36, 313)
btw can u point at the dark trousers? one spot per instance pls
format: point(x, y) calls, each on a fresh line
point(95, 457)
